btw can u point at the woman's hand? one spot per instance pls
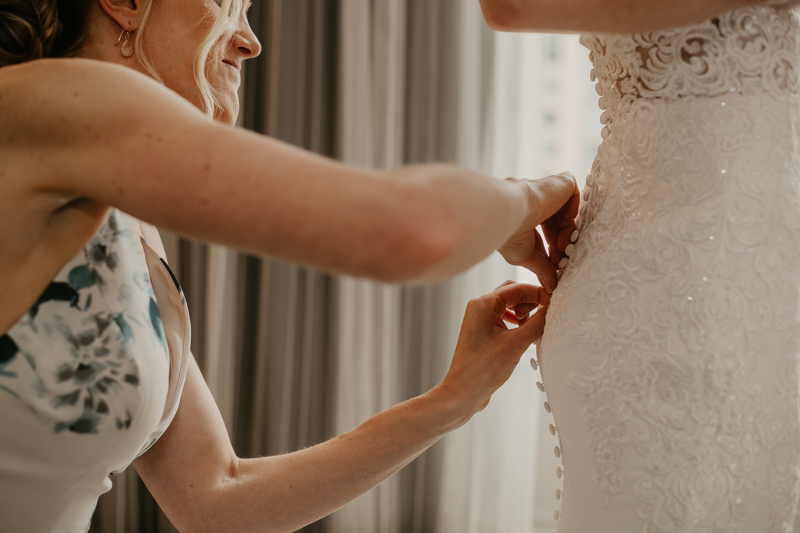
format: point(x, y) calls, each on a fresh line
point(553, 204)
point(488, 351)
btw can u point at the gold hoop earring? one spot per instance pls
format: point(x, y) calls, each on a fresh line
point(127, 49)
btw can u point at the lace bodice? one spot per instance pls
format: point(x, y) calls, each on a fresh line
point(675, 330)
point(745, 51)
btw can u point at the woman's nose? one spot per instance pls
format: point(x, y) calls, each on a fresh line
point(246, 42)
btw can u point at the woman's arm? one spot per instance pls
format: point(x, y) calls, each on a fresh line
point(603, 16)
point(110, 135)
point(201, 485)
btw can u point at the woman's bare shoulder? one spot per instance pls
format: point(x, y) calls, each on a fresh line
point(43, 77)
point(57, 66)
point(47, 74)
point(57, 97)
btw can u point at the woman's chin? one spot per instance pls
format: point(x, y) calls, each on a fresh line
point(227, 114)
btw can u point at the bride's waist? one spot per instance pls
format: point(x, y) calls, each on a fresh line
point(735, 112)
point(624, 89)
point(696, 191)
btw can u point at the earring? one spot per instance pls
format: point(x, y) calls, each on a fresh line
point(127, 50)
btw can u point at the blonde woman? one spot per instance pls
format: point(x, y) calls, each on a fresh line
point(670, 357)
point(94, 362)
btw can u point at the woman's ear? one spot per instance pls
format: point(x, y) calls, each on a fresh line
point(124, 12)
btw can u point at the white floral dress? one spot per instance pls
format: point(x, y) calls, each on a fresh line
point(90, 378)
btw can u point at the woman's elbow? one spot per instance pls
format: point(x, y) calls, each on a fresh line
point(438, 243)
point(425, 246)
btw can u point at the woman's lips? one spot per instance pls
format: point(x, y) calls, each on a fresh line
point(232, 65)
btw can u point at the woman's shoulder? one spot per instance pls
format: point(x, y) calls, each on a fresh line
point(54, 76)
point(43, 96)
point(72, 70)
point(56, 96)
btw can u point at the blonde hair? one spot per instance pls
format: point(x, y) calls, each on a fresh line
point(231, 12)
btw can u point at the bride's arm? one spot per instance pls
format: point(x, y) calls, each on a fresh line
point(604, 16)
point(106, 133)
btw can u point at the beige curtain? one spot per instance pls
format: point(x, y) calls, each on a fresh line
point(424, 81)
point(293, 356)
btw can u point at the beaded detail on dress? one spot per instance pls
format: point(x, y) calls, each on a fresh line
point(684, 287)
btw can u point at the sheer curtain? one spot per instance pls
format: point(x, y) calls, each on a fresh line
point(294, 356)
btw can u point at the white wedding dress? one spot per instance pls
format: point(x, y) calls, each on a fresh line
point(670, 357)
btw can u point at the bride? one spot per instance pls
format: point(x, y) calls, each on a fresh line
point(671, 350)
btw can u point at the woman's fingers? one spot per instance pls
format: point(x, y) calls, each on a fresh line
point(532, 329)
point(558, 228)
point(520, 314)
point(512, 295)
point(523, 310)
point(540, 264)
point(553, 194)
point(512, 318)
point(553, 200)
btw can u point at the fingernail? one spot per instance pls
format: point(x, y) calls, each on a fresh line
point(574, 236)
point(563, 263)
point(570, 249)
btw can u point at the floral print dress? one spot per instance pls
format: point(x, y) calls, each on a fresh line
point(90, 378)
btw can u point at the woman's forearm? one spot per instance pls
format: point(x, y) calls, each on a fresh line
point(464, 216)
point(284, 493)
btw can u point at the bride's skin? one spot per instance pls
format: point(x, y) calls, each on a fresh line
point(608, 16)
point(77, 136)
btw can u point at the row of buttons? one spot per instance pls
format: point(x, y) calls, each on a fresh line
point(553, 431)
point(569, 252)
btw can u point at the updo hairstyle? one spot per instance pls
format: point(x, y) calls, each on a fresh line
point(33, 29)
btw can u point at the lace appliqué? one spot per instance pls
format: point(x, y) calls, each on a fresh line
point(745, 50)
point(695, 202)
